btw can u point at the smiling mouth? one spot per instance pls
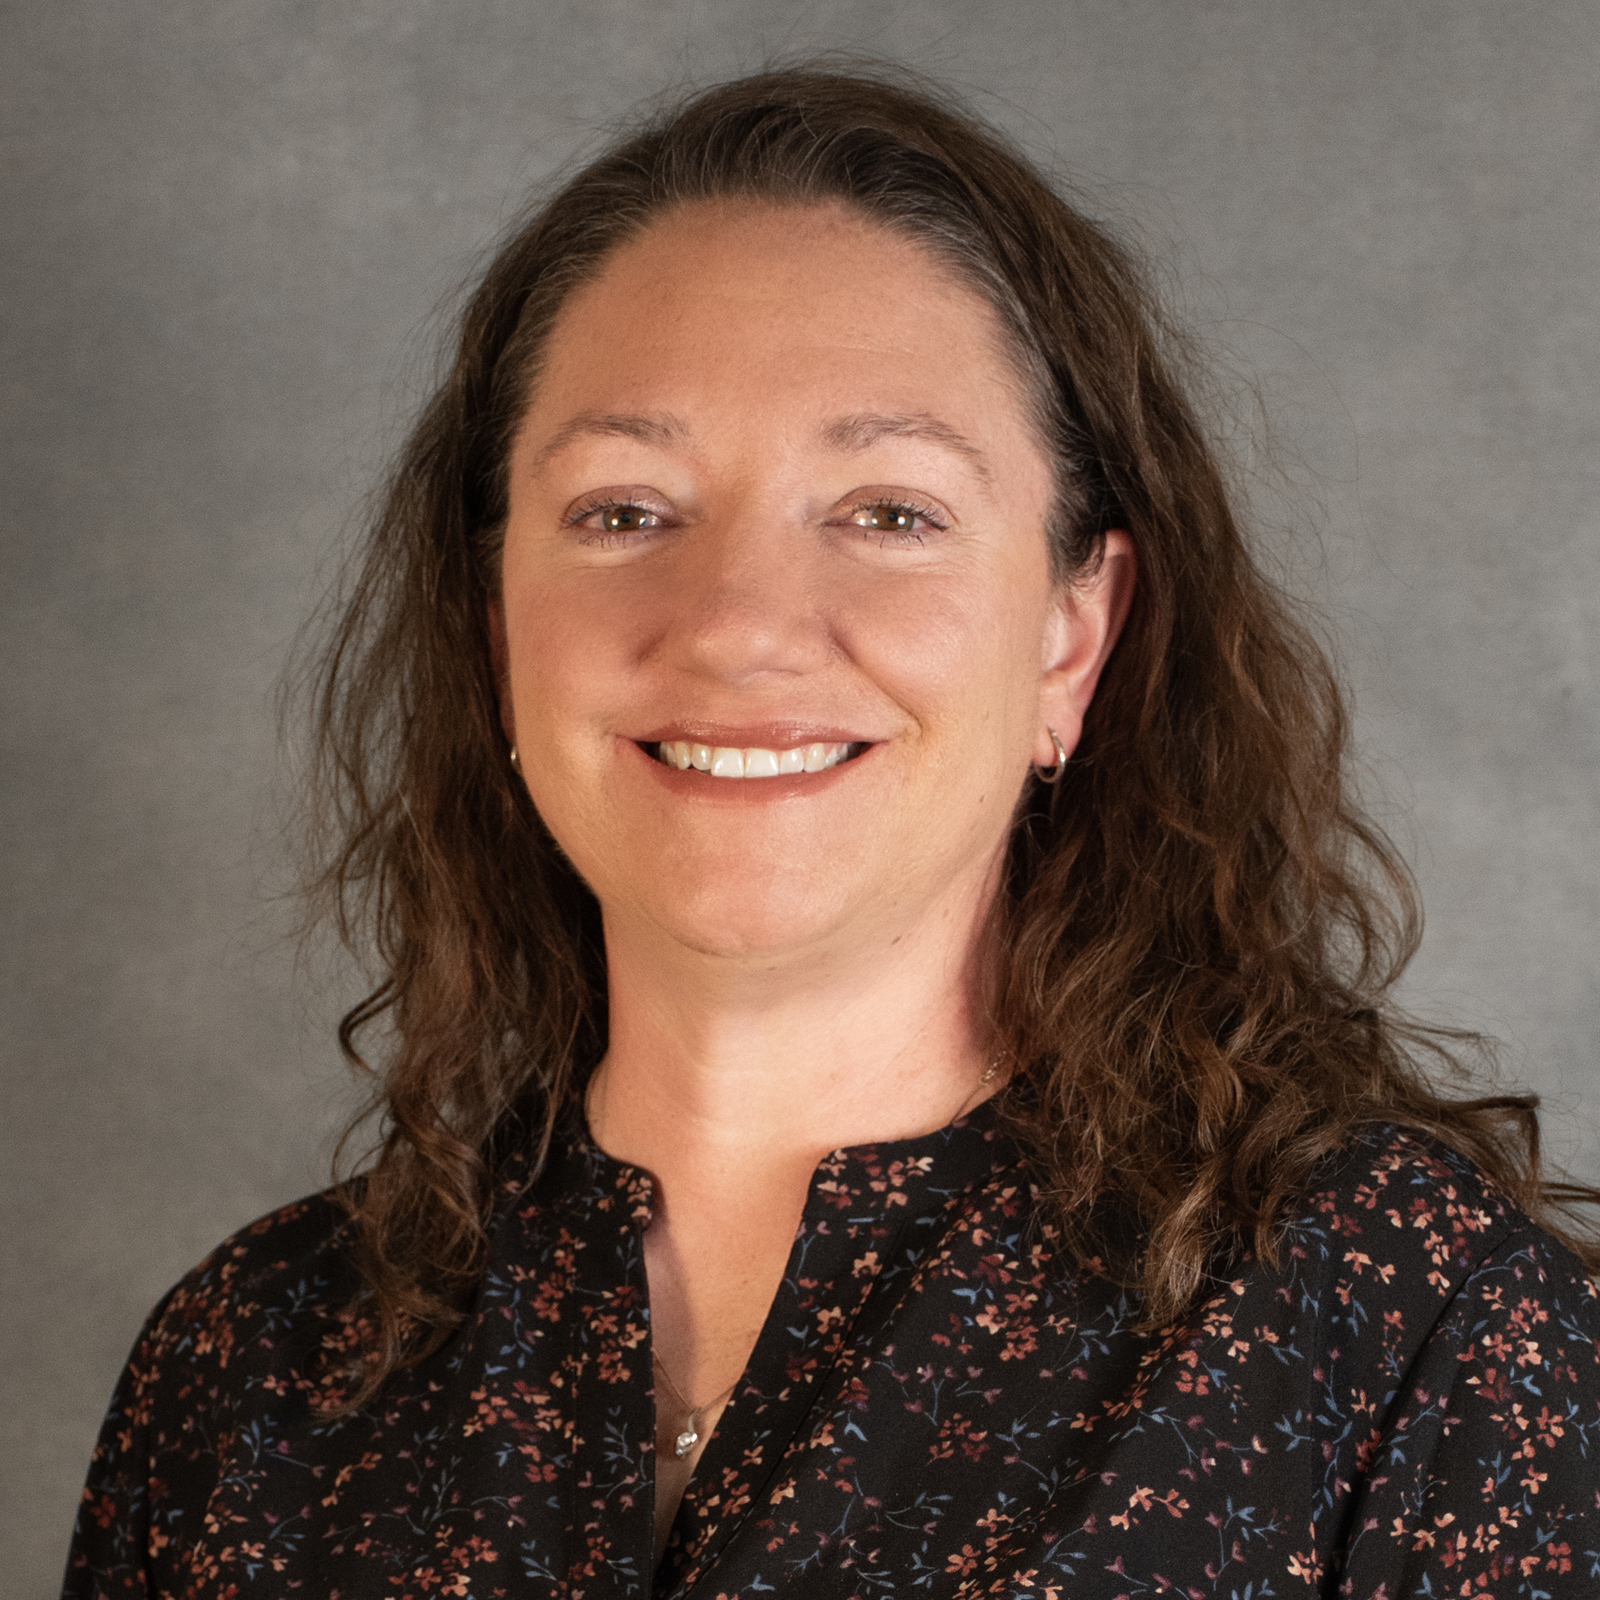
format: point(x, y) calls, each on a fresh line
point(727, 761)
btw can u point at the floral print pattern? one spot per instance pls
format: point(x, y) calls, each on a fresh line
point(940, 1404)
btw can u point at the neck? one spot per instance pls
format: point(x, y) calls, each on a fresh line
point(754, 1068)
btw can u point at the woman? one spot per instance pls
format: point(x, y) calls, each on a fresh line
point(889, 1078)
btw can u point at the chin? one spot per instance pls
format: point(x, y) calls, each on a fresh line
point(753, 916)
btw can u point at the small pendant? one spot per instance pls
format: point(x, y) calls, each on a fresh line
point(685, 1442)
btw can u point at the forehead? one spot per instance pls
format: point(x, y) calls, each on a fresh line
point(755, 307)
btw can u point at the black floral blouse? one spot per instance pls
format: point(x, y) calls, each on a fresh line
point(938, 1405)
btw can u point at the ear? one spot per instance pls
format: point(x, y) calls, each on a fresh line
point(1086, 617)
point(500, 665)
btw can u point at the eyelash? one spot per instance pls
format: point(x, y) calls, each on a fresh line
point(587, 508)
point(888, 536)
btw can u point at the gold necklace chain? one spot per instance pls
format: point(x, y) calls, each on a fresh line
point(977, 1088)
point(689, 1435)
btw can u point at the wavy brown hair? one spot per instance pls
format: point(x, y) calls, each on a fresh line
point(1192, 951)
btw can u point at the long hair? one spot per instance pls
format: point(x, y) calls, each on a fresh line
point(1191, 952)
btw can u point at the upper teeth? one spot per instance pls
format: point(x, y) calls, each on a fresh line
point(723, 761)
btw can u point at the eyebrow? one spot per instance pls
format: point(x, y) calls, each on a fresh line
point(648, 428)
point(862, 431)
point(853, 433)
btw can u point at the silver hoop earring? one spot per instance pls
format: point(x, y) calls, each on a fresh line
point(516, 760)
point(1053, 774)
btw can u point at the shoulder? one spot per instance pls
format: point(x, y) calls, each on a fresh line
point(1400, 1245)
point(1389, 1197)
point(1385, 1180)
point(298, 1250)
point(1452, 1357)
point(267, 1298)
point(1399, 1237)
point(232, 1352)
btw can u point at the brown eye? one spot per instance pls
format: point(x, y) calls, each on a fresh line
point(886, 518)
point(625, 519)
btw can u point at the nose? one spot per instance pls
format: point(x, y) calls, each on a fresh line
point(746, 605)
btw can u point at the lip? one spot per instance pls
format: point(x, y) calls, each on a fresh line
point(754, 735)
point(693, 785)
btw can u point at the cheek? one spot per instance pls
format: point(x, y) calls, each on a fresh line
point(957, 655)
point(562, 647)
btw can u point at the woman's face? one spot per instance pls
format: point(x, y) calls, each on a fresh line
point(776, 499)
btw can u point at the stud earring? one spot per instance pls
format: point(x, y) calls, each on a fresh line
point(516, 760)
point(1053, 774)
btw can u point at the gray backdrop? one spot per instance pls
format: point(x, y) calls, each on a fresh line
point(226, 226)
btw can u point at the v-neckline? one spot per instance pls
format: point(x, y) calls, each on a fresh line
point(849, 1261)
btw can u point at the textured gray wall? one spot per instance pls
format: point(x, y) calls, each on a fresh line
point(225, 224)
